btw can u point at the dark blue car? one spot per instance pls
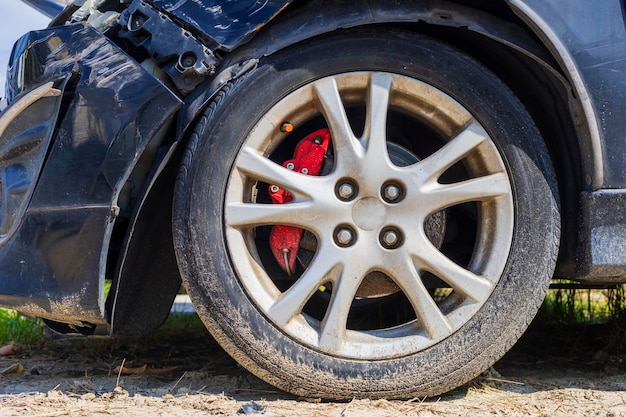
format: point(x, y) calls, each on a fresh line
point(362, 198)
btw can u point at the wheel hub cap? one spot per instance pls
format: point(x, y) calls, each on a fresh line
point(369, 214)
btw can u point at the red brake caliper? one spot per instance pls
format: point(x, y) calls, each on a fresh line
point(308, 158)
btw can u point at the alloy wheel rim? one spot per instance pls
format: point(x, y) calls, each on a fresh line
point(380, 228)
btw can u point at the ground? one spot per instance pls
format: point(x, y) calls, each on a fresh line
point(552, 371)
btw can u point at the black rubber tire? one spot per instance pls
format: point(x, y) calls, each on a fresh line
point(262, 348)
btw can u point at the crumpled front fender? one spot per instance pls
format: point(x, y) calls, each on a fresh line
point(64, 158)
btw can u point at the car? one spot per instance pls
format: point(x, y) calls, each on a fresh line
point(362, 198)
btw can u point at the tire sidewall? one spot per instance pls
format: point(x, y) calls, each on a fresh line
point(244, 331)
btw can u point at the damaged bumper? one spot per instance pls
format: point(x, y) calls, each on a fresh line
point(80, 114)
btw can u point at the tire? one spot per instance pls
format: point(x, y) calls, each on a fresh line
point(434, 236)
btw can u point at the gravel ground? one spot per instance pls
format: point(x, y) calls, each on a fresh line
point(551, 372)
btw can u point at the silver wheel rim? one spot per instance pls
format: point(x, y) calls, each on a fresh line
point(386, 233)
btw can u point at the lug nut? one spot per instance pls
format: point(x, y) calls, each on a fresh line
point(391, 192)
point(391, 238)
point(345, 191)
point(344, 237)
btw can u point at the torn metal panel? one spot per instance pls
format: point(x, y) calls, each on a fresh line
point(183, 57)
point(228, 23)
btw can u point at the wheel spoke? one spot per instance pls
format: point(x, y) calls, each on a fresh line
point(303, 214)
point(375, 134)
point(345, 142)
point(475, 189)
point(325, 267)
point(455, 150)
point(427, 311)
point(333, 328)
point(460, 279)
point(260, 168)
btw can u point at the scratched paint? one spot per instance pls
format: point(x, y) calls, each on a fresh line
point(229, 23)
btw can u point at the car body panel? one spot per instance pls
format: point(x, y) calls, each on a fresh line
point(227, 23)
point(595, 57)
point(54, 265)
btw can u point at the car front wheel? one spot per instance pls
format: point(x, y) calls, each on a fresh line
point(366, 215)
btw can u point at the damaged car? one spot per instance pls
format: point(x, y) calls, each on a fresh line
point(362, 198)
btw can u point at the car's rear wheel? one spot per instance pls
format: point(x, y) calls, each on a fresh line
point(369, 215)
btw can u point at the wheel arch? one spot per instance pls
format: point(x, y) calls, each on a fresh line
point(490, 32)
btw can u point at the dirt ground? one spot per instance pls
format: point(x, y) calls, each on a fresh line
point(552, 371)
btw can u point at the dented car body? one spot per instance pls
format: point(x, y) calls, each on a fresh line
point(145, 141)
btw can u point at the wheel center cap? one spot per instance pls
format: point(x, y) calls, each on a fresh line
point(369, 213)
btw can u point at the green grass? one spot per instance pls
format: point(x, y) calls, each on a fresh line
point(584, 306)
point(16, 328)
